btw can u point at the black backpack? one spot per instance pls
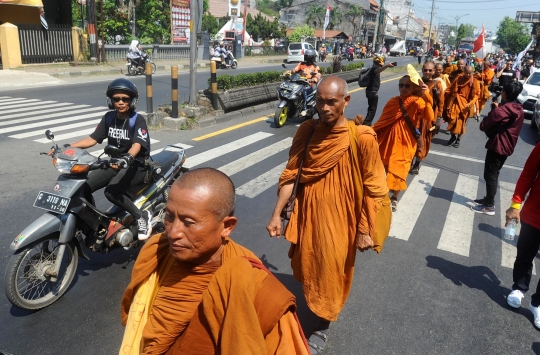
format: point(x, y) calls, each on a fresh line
point(364, 78)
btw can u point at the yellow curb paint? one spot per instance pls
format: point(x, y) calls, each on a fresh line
point(228, 129)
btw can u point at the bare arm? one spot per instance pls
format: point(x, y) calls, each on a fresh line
point(383, 68)
point(135, 149)
point(274, 226)
point(500, 73)
point(84, 143)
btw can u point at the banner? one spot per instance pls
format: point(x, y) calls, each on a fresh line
point(36, 3)
point(520, 55)
point(479, 44)
point(326, 21)
point(180, 21)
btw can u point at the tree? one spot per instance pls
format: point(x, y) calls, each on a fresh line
point(260, 28)
point(305, 31)
point(512, 36)
point(336, 16)
point(210, 23)
point(315, 15)
point(353, 15)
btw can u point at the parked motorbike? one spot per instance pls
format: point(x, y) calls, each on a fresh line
point(230, 61)
point(46, 252)
point(291, 96)
point(132, 65)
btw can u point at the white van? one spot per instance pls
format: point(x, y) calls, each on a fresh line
point(296, 50)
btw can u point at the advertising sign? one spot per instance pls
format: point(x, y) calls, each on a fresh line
point(36, 3)
point(180, 21)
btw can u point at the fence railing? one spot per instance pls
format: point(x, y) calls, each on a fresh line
point(265, 50)
point(39, 45)
point(162, 51)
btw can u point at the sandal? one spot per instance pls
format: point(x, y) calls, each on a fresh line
point(394, 204)
point(317, 336)
point(456, 144)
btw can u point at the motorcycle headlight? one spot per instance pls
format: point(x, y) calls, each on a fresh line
point(70, 166)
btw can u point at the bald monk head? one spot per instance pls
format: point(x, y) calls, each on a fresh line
point(468, 71)
point(461, 65)
point(406, 87)
point(438, 70)
point(449, 59)
point(199, 214)
point(332, 98)
point(487, 64)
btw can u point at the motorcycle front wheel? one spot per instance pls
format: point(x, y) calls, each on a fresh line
point(132, 70)
point(27, 284)
point(153, 67)
point(234, 65)
point(280, 117)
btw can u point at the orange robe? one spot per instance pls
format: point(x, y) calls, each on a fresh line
point(461, 96)
point(220, 295)
point(434, 104)
point(448, 69)
point(485, 78)
point(397, 144)
point(325, 220)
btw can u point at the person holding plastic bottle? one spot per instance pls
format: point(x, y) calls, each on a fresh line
point(529, 237)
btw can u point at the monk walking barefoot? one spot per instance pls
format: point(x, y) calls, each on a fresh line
point(194, 291)
point(342, 189)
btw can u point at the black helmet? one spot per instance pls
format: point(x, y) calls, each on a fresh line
point(125, 86)
point(122, 85)
point(310, 56)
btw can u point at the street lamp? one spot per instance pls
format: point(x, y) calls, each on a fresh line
point(457, 19)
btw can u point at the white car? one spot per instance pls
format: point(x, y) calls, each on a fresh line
point(529, 95)
point(296, 50)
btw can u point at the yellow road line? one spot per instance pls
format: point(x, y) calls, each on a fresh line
point(228, 129)
point(382, 82)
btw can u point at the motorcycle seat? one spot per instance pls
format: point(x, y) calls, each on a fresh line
point(166, 159)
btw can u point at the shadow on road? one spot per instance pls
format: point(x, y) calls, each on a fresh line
point(527, 134)
point(535, 347)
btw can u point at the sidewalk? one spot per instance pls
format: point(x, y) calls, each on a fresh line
point(63, 70)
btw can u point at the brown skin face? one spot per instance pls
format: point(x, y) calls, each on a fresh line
point(438, 70)
point(461, 65)
point(195, 232)
point(121, 107)
point(332, 100)
point(468, 72)
point(449, 60)
point(406, 87)
point(428, 70)
point(487, 64)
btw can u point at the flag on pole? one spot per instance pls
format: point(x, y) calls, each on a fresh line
point(479, 44)
point(521, 54)
point(326, 21)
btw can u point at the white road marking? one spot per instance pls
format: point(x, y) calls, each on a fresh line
point(25, 106)
point(213, 153)
point(47, 123)
point(476, 160)
point(458, 227)
point(57, 112)
point(11, 99)
point(185, 146)
point(413, 201)
point(34, 110)
point(255, 157)
point(261, 183)
point(56, 129)
point(12, 104)
point(509, 250)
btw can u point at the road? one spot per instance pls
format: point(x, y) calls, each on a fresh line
point(439, 286)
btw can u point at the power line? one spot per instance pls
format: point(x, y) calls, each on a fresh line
point(495, 8)
point(474, 2)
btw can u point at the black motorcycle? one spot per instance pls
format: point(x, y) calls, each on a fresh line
point(46, 252)
point(133, 68)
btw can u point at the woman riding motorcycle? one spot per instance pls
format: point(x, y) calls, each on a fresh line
point(126, 130)
point(311, 72)
point(135, 53)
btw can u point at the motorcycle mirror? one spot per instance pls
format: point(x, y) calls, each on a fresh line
point(283, 65)
point(112, 151)
point(49, 135)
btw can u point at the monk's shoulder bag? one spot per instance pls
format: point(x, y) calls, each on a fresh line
point(415, 131)
point(287, 211)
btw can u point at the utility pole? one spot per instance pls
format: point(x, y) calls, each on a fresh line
point(193, 9)
point(133, 29)
point(91, 17)
point(431, 22)
point(377, 38)
point(457, 19)
point(407, 25)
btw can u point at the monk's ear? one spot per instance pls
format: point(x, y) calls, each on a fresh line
point(228, 224)
point(347, 99)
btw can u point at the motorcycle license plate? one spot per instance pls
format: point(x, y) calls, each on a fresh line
point(52, 202)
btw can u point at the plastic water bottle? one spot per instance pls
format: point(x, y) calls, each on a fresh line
point(510, 231)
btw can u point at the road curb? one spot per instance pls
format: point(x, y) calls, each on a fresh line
point(209, 121)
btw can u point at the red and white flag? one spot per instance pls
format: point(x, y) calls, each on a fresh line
point(479, 44)
point(326, 21)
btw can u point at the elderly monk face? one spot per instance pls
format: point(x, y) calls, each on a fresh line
point(449, 59)
point(406, 87)
point(438, 70)
point(468, 71)
point(428, 70)
point(487, 64)
point(198, 215)
point(332, 98)
point(461, 65)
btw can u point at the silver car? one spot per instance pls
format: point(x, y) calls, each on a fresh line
point(296, 51)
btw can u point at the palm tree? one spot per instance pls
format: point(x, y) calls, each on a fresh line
point(316, 15)
point(353, 15)
point(336, 16)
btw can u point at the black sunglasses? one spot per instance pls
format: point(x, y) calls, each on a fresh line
point(427, 70)
point(404, 86)
point(123, 99)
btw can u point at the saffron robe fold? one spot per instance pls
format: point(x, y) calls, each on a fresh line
point(397, 144)
point(485, 79)
point(434, 99)
point(163, 296)
point(324, 222)
point(461, 96)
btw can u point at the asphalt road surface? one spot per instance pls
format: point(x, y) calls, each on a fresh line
point(438, 287)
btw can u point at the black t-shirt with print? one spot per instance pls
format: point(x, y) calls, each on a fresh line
point(507, 76)
point(122, 134)
point(375, 81)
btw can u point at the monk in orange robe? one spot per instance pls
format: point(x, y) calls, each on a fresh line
point(448, 67)
point(485, 78)
point(441, 77)
point(461, 64)
point(397, 143)
point(463, 94)
point(432, 116)
point(342, 189)
point(194, 291)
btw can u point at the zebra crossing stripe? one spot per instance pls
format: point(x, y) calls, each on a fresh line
point(261, 183)
point(53, 112)
point(55, 129)
point(32, 109)
point(20, 107)
point(213, 153)
point(509, 250)
point(47, 123)
point(458, 227)
point(13, 104)
point(185, 146)
point(417, 193)
point(69, 135)
point(3, 101)
point(5, 97)
point(255, 157)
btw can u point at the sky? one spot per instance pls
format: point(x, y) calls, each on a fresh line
point(488, 12)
